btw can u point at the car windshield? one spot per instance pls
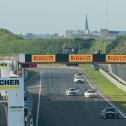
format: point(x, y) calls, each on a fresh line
point(110, 109)
point(91, 91)
point(72, 89)
point(79, 78)
point(79, 74)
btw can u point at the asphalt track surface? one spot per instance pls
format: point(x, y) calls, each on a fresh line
point(57, 109)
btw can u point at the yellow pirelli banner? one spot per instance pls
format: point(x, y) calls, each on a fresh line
point(44, 58)
point(116, 58)
point(83, 58)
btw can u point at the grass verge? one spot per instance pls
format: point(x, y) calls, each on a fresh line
point(113, 93)
point(31, 74)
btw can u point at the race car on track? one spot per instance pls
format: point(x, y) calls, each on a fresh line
point(109, 113)
point(90, 93)
point(78, 74)
point(78, 79)
point(72, 91)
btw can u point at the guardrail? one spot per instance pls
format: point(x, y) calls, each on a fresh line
point(114, 79)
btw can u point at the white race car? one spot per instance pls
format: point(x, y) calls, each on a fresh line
point(90, 93)
point(78, 74)
point(72, 91)
point(78, 79)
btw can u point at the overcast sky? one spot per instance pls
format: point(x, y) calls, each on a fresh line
point(55, 16)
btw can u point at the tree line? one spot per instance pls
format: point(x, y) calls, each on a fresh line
point(13, 44)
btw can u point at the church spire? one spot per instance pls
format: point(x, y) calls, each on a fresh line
point(86, 25)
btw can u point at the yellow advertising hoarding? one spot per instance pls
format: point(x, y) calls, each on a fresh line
point(44, 58)
point(80, 58)
point(116, 58)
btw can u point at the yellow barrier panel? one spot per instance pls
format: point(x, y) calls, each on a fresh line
point(81, 58)
point(116, 58)
point(44, 58)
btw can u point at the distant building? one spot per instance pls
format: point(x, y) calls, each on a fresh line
point(104, 33)
point(95, 33)
point(80, 32)
point(42, 36)
point(122, 33)
point(108, 34)
point(113, 33)
point(74, 33)
point(69, 33)
point(83, 34)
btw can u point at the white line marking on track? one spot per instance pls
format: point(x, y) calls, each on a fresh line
point(114, 106)
point(39, 98)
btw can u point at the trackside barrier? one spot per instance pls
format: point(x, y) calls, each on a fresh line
point(119, 79)
point(113, 79)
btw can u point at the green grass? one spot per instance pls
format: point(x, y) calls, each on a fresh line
point(31, 74)
point(99, 44)
point(113, 93)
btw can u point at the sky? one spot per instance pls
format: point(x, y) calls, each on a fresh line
point(56, 16)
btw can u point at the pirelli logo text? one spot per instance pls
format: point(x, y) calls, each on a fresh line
point(80, 58)
point(43, 58)
point(9, 83)
point(116, 58)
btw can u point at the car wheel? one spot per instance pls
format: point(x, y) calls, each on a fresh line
point(117, 117)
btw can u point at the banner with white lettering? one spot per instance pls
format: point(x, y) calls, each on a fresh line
point(15, 101)
point(10, 83)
